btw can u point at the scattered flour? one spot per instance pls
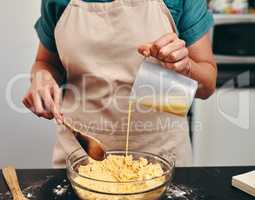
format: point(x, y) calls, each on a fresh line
point(181, 192)
point(61, 190)
point(29, 192)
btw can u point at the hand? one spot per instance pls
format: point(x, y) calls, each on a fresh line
point(170, 51)
point(43, 96)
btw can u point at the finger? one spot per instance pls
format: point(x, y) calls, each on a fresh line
point(176, 56)
point(179, 66)
point(47, 115)
point(44, 114)
point(37, 102)
point(154, 51)
point(57, 100)
point(50, 104)
point(169, 48)
point(56, 95)
point(145, 49)
point(47, 99)
point(30, 102)
point(26, 103)
point(29, 99)
point(161, 42)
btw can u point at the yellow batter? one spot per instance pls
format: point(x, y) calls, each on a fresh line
point(120, 169)
point(176, 105)
point(130, 103)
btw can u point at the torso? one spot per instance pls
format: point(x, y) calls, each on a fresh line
point(100, 41)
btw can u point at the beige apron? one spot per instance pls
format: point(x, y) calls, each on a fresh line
point(97, 44)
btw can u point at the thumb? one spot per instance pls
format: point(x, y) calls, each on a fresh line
point(145, 49)
point(57, 115)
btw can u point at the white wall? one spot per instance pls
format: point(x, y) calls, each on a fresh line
point(25, 140)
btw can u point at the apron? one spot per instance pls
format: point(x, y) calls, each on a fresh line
point(97, 44)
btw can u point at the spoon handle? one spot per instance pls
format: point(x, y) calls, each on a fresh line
point(70, 127)
point(12, 182)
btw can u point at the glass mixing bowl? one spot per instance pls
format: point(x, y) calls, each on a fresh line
point(85, 187)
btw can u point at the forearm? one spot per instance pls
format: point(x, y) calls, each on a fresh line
point(205, 73)
point(49, 65)
point(49, 71)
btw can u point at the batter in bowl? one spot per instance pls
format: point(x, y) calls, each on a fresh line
point(119, 169)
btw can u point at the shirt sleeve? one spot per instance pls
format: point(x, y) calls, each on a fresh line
point(195, 21)
point(45, 25)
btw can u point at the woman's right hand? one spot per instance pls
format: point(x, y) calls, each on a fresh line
point(44, 96)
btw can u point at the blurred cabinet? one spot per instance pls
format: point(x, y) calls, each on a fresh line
point(224, 129)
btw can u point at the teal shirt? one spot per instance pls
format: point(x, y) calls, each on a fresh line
point(192, 19)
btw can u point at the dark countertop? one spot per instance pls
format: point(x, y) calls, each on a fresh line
point(197, 183)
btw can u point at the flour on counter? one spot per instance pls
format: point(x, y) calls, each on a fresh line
point(29, 192)
point(29, 195)
point(181, 192)
point(61, 190)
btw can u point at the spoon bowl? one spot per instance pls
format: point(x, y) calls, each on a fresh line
point(93, 147)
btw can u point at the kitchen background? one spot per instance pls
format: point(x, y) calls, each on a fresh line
point(223, 128)
point(23, 137)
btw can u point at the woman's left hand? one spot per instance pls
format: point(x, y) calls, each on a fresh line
point(170, 51)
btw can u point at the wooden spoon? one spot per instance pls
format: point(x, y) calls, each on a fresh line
point(91, 145)
point(13, 183)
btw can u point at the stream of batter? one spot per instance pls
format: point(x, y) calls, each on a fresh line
point(130, 103)
point(176, 105)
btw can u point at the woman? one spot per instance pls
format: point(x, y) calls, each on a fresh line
point(93, 46)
